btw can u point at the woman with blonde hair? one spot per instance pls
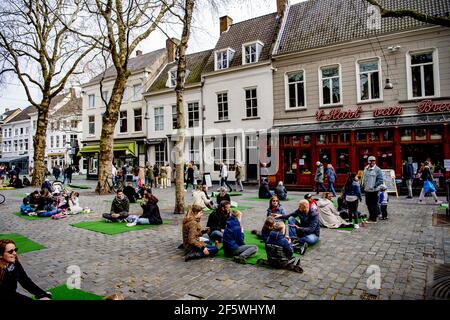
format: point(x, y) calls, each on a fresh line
point(12, 272)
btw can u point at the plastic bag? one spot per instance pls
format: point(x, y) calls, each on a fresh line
point(428, 186)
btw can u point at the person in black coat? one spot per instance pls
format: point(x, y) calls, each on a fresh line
point(26, 181)
point(264, 191)
point(69, 173)
point(222, 196)
point(217, 221)
point(15, 182)
point(131, 193)
point(150, 215)
point(408, 175)
point(12, 272)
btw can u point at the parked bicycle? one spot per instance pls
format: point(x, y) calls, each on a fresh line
point(116, 185)
point(2, 198)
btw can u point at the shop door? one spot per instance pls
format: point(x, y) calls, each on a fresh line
point(290, 167)
point(251, 158)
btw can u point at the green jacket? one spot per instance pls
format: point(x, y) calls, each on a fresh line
point(119, 206)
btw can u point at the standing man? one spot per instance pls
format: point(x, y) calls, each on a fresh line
point(371, 182)
point(318, 178)
point(69, 173)
point(408, 175)
point(114, 174)
point(169, 174)
point(224, 176)
point(56, 172)
point(149, 176)
point(124, 172)
point(239, 175)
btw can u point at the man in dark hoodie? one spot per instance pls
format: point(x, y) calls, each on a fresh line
point(217, 221)
point(264, 190)
point(119, 208)
point(131, 193)
point(233, 240)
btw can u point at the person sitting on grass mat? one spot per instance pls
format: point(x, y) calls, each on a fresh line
point(192, 231)
point(25, 207)
point(233, 239)
point(328, 214)
point(266, 229)
point(33, 199)
point(264, 190)
point(119, 208)
point(74, 203)
point(46, 206)
point(199, 198)
point(311, 200)
point(26, 181)
point(12, 272)
point(275, 207)
point(150, 215)
point(131, 193)
point(280, 250)
point(48, 185)
point(217, 221)
point(15, 182)
point(222, 196)
point(307, 231)
point(145, 189)
point(280, 191)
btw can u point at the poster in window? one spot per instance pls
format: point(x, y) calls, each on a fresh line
point(301, 162)
point(207, 179)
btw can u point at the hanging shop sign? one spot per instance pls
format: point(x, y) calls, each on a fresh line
point(427, 106)
point(388, 111)
point(338, 114)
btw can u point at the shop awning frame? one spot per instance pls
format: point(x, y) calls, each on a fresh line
point(128, 148)
point(13, 159)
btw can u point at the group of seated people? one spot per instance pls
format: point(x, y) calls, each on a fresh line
point(134, 194)
point(120, 209)
point(15, 182)
point(48, 203)
point(265, 193)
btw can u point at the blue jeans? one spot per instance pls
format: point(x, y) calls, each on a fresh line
point(293, 230)
point(216, 235)
point(137, 219)
point(331, 188)
point(49, 213)
point(310, 239)
point(211, 248)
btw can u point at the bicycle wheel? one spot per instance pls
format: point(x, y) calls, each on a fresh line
point(2, 198)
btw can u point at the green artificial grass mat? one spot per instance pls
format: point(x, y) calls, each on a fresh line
point(443, 206)
point(231, 194)
point(351, 228)
point(112, 228)
point(265, 200)
point(250, 238)
point(239, 208)
point(79, 186)
point(62, 292)
point(32, 218)
point(23, 243)
point(7, 188)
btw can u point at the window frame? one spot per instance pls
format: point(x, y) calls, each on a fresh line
point(159, 118)
point(92, 117)
point(123, 121)
point(258, 48)
point(193, 112)
point(222, 103)
point(332, 104)
point(436, 77)
point(230, 54)
point(170, 74)
point(250, 99)
point(358, 79)
point(135, 98)
point(91, 101)
point(136, 118)
point(174, 116)
point(286, 90)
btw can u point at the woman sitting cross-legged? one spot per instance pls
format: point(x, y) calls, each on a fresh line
point(275, 208)
point(233, 239)
point(266, 229)
point(12, 272)
point(329, 215)
point(199, 198)
point(150, 215)
point(223, 195)
point(192, 230)
point(280, 250)
point(46, 206)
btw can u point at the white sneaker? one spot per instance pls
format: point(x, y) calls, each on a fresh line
point(131, 224)
point(420, 202)
point(438, 202)
point(356, 226)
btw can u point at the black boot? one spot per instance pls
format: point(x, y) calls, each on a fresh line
point(193, 256)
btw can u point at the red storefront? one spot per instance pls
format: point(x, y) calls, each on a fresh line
point(347, 144)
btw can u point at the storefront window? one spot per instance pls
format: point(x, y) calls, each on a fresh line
point(290, 165)
point(405, 134)
point(287, 140)
point(295, 140)
point(374, 136)
point(325, 157)
point(305, 162)
point(361, 137)
point(436, 133)
point(306, 139)
point(342, 161)
point(385, 159)
point(363, 155)
point(334, 138)
point(321, 139)
point(345, 137)
point(388, 135)
point(420, 134)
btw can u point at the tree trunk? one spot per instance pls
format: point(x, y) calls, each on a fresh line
point(109, 119)
point(39, 144)
point(181, 125)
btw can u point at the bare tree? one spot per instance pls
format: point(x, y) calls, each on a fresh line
point(415, 14)
point(37, 46)
point(122, 26)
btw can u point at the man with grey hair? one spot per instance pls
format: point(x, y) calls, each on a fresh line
point(371, 181)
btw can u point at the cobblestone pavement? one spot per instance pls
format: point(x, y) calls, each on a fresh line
point(146, 264)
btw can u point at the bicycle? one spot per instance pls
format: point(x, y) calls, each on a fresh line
point(117, 185)
point(2, 198)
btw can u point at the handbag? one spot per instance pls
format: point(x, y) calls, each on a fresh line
point(428, 186)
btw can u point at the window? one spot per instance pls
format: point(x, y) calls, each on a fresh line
point(15, 145)
point(91, 101)
point(51, 142)
point(250, 55)
point(174, 117)
point(137, 91)
point(21, 131)
point(74, 124)
point(296, 89)
point(27, 130)
point(26, 144)
point(194, 150)
point(138, 119)
point(105, 96)
point(91, 124)
point(342, 161)
point(321, 138)
point(10, 132)
point(172, 78)
point(251, 103)
point(57, 141)
point(16, 132)
point(5, 133)
point(159, 119)
point(123, 121)
point(405, 134)
point(369, 80)
point(224, 151)
point(420, 134)
point(223, 58)
point(74, 140)
point(125, 94)
point(20, 145)
point(64, 140)
point(222, 105)
point(160, 154)
point(436, 133)
point(422, 74)
point(193, 115)
point(331, 86)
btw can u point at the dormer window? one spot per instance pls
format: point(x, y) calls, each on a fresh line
point(251, 52)
point(223, 58)
point(172, 78)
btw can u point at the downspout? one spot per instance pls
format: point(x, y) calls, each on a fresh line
point(203, 124)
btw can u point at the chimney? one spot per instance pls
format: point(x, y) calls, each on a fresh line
point(6, 109)
point(225, 23)
point(171, 47)
point(138, 53)
point(281, 6)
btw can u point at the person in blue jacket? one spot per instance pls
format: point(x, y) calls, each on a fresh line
point(25, 207)
point(331, 174)
point(352, 193)
point(233, 239)
point(275, 207)
point(307, 231)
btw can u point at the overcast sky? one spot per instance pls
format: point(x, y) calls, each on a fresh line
point(205, 33)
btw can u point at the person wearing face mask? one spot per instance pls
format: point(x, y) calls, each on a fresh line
point(12, 272)
point(371, 182)
point(119, 208)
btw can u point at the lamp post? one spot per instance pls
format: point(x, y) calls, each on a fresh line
point(68, 153)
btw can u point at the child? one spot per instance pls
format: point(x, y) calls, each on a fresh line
point(266, 229)
point(383, 200)
point(25, 207)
